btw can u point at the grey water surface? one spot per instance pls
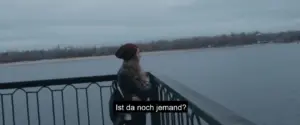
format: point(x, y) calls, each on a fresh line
point(259, 82)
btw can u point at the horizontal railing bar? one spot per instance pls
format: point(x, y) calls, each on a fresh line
point(62, 81)
point(210, 111)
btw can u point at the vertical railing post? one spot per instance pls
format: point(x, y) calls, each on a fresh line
point(155, 116)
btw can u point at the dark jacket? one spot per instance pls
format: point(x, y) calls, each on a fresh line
point(115, 96)
point(129, 86)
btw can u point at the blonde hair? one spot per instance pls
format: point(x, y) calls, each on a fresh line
point(135, 71)
point(133, 66)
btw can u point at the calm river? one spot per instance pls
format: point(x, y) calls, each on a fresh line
point(259, 82)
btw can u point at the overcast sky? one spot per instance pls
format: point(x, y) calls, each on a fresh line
point(27, 24)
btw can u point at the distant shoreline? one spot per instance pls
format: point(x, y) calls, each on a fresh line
point(200, 42)
point(83, 58)
point(109, 56)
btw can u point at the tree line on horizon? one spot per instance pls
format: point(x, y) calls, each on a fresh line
point(233, 39)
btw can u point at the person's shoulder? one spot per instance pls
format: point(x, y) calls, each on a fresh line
point(124, 72)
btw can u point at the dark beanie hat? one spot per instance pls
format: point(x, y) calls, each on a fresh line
point(127, 51)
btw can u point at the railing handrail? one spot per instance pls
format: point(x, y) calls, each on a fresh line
point(210, 110)
point(59, 81)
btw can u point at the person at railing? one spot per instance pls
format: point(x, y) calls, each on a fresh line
point(133, 82)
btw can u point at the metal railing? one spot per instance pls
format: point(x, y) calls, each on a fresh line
point(84, 101)
point(201, 110)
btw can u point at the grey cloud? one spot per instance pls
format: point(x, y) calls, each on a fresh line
point(42, 23)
